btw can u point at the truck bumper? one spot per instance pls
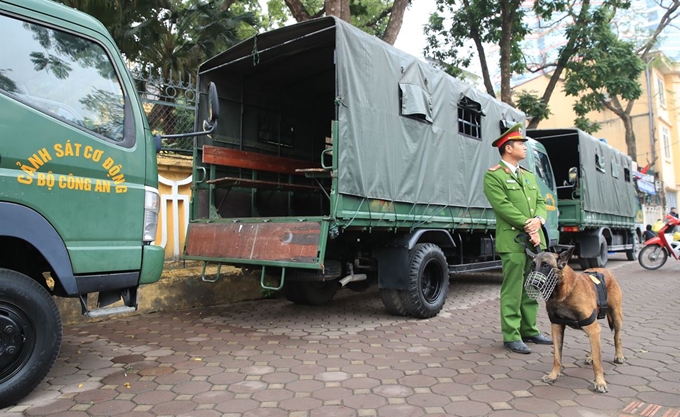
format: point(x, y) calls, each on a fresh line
point(152, 264)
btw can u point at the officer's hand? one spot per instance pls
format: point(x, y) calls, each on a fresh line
point(535, 238)
point(532, 225)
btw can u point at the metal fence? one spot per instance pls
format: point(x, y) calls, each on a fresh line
point(169, 105)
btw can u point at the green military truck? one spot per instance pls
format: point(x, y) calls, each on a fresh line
point(78, 183)
point(340, 161)
point(596, 197)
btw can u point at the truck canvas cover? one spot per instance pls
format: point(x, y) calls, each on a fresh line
point(404, 128)
point(604, 172)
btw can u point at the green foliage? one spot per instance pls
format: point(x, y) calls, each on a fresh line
point(457, 40)
point(172, 36)
point(277, 16)
point(586, 125)
point(533, 105)
point(371, 16)
point(605, 69)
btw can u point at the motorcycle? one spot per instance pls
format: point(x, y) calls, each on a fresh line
point(656, 250)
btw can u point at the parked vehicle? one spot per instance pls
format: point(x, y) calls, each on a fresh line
point(342, 161)
point(656, 250)
point(597, 201)
point(78, 184)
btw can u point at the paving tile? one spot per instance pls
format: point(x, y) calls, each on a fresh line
point(111, 408)
point(350, 358)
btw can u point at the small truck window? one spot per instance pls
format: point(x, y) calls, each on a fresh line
point(63, 75)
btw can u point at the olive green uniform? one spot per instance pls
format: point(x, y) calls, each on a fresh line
point(515, 199)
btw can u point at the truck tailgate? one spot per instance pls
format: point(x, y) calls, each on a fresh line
point(292, 244)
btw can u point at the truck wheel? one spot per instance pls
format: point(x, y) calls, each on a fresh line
point(310, 293)
point(392, 299)
point(30, 335)
point(428, 281)
point(652, 257)
point(601, 260)
point(632, 254)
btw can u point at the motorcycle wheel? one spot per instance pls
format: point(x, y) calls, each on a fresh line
point(652, 257)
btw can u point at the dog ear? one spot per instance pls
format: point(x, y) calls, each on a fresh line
point(564, 257)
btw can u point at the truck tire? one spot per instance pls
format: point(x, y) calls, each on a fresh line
point(601, 260)
point(428, 281)
point(310, 293)
point(632, 254)
point(392, 299)
point(652, 257)
point(30, 335)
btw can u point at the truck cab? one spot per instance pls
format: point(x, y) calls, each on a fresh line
point(78, 183)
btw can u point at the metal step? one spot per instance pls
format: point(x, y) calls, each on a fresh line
point(104, 312)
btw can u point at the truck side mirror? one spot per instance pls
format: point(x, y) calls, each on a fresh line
point(573, 176)
point(213, 103)
point(208, 126)
point(213, 110)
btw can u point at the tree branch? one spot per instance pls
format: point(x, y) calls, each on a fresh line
point(373, 23)
point(665, 20)
point(297, 9)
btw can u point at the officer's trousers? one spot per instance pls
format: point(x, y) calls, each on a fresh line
point(518, 311)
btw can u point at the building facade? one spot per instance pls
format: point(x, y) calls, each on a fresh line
point(656, 124)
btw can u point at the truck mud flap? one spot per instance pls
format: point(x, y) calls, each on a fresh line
point(287, 244)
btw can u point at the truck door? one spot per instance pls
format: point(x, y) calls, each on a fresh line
point(69, 133)
point(540, 164)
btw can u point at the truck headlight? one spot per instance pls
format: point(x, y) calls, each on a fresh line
point(152, 201)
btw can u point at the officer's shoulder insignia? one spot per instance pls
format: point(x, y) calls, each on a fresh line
point(495, 168)
point(524, 169)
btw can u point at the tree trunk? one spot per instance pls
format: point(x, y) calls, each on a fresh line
point(338, 8)
point(630, 135)
point(395, 22)
point(507, 16)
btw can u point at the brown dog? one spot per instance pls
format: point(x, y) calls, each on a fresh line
point(573, 303)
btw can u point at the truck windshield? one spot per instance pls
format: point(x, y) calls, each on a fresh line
point(543, 169)
point(65, 76)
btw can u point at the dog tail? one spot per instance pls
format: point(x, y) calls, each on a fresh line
point(610, 320)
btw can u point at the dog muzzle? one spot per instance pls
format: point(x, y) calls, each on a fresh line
point(540, 284)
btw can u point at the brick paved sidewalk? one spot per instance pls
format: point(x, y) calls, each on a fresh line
point(350, 358)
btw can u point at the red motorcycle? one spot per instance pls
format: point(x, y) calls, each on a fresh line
point(657, 249)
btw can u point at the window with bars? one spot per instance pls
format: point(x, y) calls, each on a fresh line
point(470, 118)
point(666, 141)
point(661, 91)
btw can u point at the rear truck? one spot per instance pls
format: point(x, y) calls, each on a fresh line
point(596, 198)
point(340, 161)
point(78, 183)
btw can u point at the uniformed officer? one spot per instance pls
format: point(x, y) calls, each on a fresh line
point(516, 199)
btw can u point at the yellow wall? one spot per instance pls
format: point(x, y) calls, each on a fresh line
point(172, 223)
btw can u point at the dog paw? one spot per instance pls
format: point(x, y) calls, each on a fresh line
point(549, 378)
point(600, 387)
point(619, 359)
point(589, 360)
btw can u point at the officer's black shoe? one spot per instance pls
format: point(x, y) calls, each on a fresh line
point(517, 346)
point(539, 339)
